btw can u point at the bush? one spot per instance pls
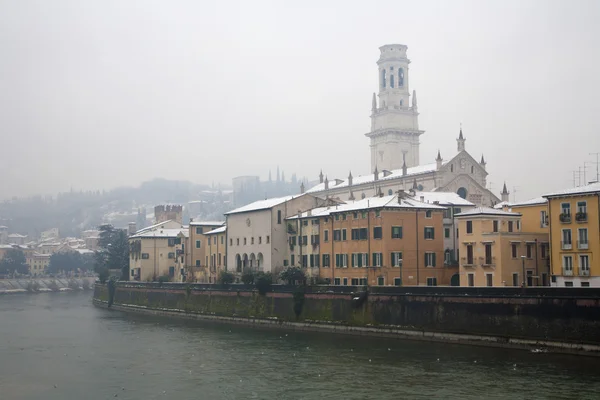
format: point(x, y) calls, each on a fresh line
point(226, 278)
point(292, 275)
point(263, 282)
point(53, 286)
point(103, 274)
point(164, 279)
point(248, 277)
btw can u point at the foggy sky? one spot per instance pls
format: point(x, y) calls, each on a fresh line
point(99, 94)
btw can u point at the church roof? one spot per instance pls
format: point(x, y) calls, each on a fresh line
point(370, 178)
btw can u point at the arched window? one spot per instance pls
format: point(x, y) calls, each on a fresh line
point(462, 192)
point(383, 72)
point(363, 196)
point(390, 192)
point(420, 187)
point(391, 80)
point(400, 77)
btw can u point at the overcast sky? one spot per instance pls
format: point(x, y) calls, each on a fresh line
point(99, 94)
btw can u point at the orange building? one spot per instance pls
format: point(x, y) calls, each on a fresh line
point(384, 240)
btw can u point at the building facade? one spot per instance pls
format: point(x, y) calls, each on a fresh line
point(575, 236)
point(494, 250)
point(216, 240)
point(199, 248)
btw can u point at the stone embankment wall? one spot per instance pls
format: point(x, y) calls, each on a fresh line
point(567, 319)
point(9, 286)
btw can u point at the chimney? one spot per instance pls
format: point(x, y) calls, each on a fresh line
point(422, 199)
point(302, 188)
point(326, 183)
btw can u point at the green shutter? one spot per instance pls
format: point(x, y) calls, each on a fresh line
point(434, 264)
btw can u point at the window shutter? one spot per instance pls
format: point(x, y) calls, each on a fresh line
point(433, 259)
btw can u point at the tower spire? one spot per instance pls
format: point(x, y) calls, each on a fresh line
point(504, 195)
point(461, 140)
point(438, 160)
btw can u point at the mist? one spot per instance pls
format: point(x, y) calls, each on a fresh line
point(97, 95)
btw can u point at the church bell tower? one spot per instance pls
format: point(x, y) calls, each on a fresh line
point(394, 121)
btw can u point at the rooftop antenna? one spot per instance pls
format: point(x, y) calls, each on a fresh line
point(515, 193)
point(597, 163)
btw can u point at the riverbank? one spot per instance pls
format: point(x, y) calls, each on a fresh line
point(42, 285)
point(540, 320)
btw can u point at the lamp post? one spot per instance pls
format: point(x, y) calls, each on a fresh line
point(523, 260)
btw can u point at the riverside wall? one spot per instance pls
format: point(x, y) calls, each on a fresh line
point(559, 319)
point(40, 285)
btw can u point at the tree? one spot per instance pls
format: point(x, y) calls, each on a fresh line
point(70, 261)
point(226, 278)
point(14, 261)
point(248, 276)
point(291, 275)
point(114, 251)
point(263, 282)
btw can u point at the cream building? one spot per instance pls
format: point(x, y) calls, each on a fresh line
point(216, 250)
point(199, 255)
point(394, 147)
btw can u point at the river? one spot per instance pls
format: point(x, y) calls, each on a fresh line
point(59, 346)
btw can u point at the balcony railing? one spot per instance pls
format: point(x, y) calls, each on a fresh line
point(584, 272)
point(582, 244)
point(565, 217)
point(566, 245)
point(488, 261)
point(567, 271)
point(467, 261)
point(581, 217)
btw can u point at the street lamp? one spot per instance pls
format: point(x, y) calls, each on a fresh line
point(523, 259)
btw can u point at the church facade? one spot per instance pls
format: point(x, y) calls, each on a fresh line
point(394, 145)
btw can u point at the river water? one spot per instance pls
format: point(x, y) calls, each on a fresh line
point(59, 346)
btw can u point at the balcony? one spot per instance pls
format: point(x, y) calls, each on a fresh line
point(567, 271)
point(581, 217)
point(582, 244)
point(565, 218)
point(566, 245)
point(467, 261)
point(487, 261)
point(584, 272)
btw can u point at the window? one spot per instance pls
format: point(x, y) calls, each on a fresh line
point(279, 216)
point(495, 227)
point(238, 241)
point(337, 217)
point(397, 281)
point(304, 260)
point(314, 260)
point(510, 226)
point(344, 217)
point(469, 254)
point(566, 208)
point(543, 219)
point(396, 259)
point(429, 259)
point(336, 281)
point(543, 250)
point(304, 240)
point(457, 210)
point(396, 232)
point(567, 265)
point(268, 239)
point(518, 226)
point(314, 239)
point(343, 234)
point(259, 240)
point(529, 250)
point(377, 259)
point(305, 222)
point(566, 239)
point(488, 254)
point(513, 249)
point(472, 169)
point(377, 232)
point(446, 233)
point(198, 244)
point(345, 281)
point(585, 284)
point(220, 259)
point(293, 240)
point(231, 242)
point(489, 280)
point(515, 279)
point(354, 281)
point(326, 261)
point(326, 236)
point(431, 281)
point(315, 222)
point(377, 213)
point(285, 263)
point(293, 259)
point(400, 77)
point(171, 271)
point(245, 241)
point(469, 226)
point(362, 281)
point(428, 214)
point(360, 260)
point(341, 260)
point(223, 239)
point(171, 255)
point(429, 233)
point(355, 215)
point(568, 284)
point(471, 280)
point(581, 211)
point(145, 256)
point(364, 215)
point(447, 213)
point(198, 230)
point(354, 234)
point(380, 281)
point(383, 80)
point(582, 242)
point(390, 191)
point(584, 265)
point(337, 235)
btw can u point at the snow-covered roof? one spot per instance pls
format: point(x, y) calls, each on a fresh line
point(487, 211)
point(217, 230)
point(370, 178)
point(587, 189)
point(530, 202)
point(501, 205)
point(261, 205)
point(162, 233)
point(16, 235)
point(169, 222)
point(367, 204)
point(444, 198)
point(207, 223)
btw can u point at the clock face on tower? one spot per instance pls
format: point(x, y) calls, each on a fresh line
point(248, 221)
point(463, 163)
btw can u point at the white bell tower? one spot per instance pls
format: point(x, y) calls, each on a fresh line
point(394, 122)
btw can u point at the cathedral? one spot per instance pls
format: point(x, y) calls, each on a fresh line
point(394, 138)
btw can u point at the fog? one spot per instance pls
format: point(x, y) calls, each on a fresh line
point(100, 94)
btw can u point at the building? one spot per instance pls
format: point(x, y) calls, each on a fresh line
point(15, 238)
point(159, 250)
point(494, 250)
point(247, 189)
point(199, 254)
point(163, 213)
point(394, 147)
point(534, 214)
point(573, 216)
point(216, 240)
point(38, 263)
point(256, 233)
point(50, 234)
point(383, 240)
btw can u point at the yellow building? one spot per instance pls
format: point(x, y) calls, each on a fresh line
point(159, 250)
point(575, 236)
point(495, 251)
point(216, 251)
point(38, 263)
point(384, 240)
point(199, 255)
point(534, 215)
